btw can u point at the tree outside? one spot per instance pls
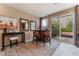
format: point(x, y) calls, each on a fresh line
point(66, 25)
point(55, 28)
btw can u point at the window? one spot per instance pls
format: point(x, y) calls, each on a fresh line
point(44, 24)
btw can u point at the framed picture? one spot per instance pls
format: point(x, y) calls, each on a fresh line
point(32, 25)
point(24, 24)
point(8, 22)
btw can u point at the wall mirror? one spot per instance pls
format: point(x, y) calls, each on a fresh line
point(24, 24)
point(32, 25)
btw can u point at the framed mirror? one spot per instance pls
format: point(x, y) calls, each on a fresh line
point(24, 24)
point(32, 25)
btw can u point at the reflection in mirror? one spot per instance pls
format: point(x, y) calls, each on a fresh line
point(32, 25)
point(24, 24)
point(44, 24)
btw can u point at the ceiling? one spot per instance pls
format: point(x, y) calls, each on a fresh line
point(41, 9)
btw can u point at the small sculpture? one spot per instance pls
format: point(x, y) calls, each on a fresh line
point(5, 29)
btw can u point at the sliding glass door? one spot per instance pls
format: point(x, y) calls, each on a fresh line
point(62, 28)
point(55, 27)
point(67, 29)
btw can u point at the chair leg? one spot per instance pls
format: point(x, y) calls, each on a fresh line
point(33, 41)
point(17, 42)
point(50, 41)
point(10, 44)
point(37, 42)
point(44, 43)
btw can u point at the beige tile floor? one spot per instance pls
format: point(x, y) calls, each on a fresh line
point(65, 49)
point(67, 40)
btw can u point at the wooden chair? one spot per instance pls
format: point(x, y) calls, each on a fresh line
point(35, 36)
point(41, 36)
point(46, 37)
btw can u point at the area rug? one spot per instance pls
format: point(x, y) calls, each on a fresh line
point(30, 49)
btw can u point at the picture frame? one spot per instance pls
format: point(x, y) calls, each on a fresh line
point(11, 23)
point(32, 25)
point(24, 24)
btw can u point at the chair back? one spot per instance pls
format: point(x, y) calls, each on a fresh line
point(35, 33)
point(46, 34)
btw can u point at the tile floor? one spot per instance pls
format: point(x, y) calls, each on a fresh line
point(65, 49)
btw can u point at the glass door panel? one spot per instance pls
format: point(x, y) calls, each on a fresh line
point(55, 27)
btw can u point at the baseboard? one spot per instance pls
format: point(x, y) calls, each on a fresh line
point(28, 40)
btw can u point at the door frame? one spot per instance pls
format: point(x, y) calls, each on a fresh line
point(73, 17)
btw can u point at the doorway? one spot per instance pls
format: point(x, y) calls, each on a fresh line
point(67, 32)
point(62, 28)
point(55, 28)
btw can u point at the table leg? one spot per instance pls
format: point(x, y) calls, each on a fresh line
point(23, 38)
point(2, 42)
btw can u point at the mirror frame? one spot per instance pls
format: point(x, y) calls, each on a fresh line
point(21, 24)
point(31, 25)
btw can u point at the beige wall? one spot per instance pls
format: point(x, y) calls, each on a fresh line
point(13, 12)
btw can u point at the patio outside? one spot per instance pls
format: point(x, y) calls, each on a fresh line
point(63, 28)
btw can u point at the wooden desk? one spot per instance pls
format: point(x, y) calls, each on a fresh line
point(14, 34)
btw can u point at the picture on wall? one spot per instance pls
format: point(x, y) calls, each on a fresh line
point(32, 25)
point(24, 24)
point(8, 22)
